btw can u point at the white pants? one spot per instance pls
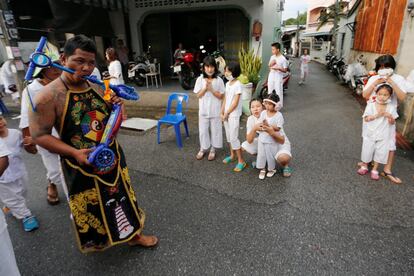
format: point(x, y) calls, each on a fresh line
point(210, 132)
point(231, 126)
point(12, 195)
point(8, 264)
point(304, 71)
point(250, 148)
point(392, 139)
point(269, 153)
point(52, 164)
point(375, 150)
point(275, 82)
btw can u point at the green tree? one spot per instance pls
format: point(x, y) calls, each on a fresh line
point(294, 21)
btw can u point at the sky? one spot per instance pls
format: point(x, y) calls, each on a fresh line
point(292, 7)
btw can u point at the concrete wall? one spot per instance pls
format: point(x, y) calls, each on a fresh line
point(345, 52)
point(405, 56)
point(117, 22)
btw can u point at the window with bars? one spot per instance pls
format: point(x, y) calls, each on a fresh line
point(171, 3)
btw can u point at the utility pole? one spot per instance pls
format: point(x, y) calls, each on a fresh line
point(297, 36)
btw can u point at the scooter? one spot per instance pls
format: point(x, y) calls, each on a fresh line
point(264, 91)
point(188, 69)
point(102, 157)
point(139, 67)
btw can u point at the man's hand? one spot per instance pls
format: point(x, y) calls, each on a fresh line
point(29, 145)
point(81, 155)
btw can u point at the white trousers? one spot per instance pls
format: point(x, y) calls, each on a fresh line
point(231, 126)
point(12, 195)
point(275, 82)
point(304, 71)
point(269, 153)
point(8, 264)
point(250, 148)
point(210, 132)
point(375, 150)
point(52, 164)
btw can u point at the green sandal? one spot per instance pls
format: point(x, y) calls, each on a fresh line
point(227, 160)
point(287, 172)
point(240, 166)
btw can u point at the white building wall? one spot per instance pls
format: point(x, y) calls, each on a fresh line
point(265, 11)
point(405, 56)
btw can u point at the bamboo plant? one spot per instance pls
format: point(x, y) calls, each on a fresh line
point(250, 65)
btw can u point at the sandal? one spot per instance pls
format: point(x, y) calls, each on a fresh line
point(144, 241)
point(287, 171)
point(270, 173)
point(363, 170)
point(30, 223)
point(52, 197)
point(262, 174)
point(211, 155)
point(374, 175)
point(227, 160)
point(240, 166)
point(200, 155)
point(391, 177)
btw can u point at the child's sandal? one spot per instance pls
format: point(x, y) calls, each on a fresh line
point(287, 172)
point(374, 175)
point(240, 166)
point(271, 173)
point(363, 170)
point(227, 160)
point(262, 174)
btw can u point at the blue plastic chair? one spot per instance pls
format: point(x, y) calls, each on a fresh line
point(175, 119)
point(3, 108)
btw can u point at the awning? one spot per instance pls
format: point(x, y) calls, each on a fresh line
point(310, 34)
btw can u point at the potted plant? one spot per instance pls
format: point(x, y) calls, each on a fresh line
point(250, 65)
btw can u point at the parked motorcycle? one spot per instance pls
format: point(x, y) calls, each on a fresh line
point(339, 68)
point(188, 69)
point(139, 67)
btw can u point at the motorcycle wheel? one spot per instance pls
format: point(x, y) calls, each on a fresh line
point(359, 89)
point(185, 79)
point(139, 80)
point(263, 93)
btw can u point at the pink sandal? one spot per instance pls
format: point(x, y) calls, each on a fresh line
point(374, 175)
point(363, 170)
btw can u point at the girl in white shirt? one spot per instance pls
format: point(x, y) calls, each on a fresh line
point(210, 92)
point(114, 67)
point(385, 65)
point(231, 111)
point(256, 108)
point(379, 117)
point(304, 67)
point(272, 143)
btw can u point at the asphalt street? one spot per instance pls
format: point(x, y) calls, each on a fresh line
point(325, 219)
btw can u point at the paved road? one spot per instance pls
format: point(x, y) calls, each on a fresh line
point(325, 219)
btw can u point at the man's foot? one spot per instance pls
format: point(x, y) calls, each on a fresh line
point(144, 241)
point(52, 194)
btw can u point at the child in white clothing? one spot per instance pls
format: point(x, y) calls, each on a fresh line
point(250, 145)
point(13, 180)
point(273, 143)
point(304, 67)
point(231, 111)
point(210, 92)
point(278, 66)
point(378, 119)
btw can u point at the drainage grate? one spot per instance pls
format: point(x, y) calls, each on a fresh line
point(171, 3)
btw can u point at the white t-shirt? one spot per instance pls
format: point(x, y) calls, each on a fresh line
point(209, 106)
point(231, 91)
point(96, 73)
point(34, 89)
point(4, 151)
point(304, 60)
point(274, 121)
point(399, 80)
point(380, 128)
point(251, 122)
point(16, 169)
point(115, 70)
point(280, 61)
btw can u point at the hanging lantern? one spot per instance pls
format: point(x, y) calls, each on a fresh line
point(257, 30)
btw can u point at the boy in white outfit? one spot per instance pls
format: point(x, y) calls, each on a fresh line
point(278, 65)
point(8, 264)
point(379, 117)
point(210, 92)
point(273, 144)
point(231, 111)
point(50, 160)
point(13, 180)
